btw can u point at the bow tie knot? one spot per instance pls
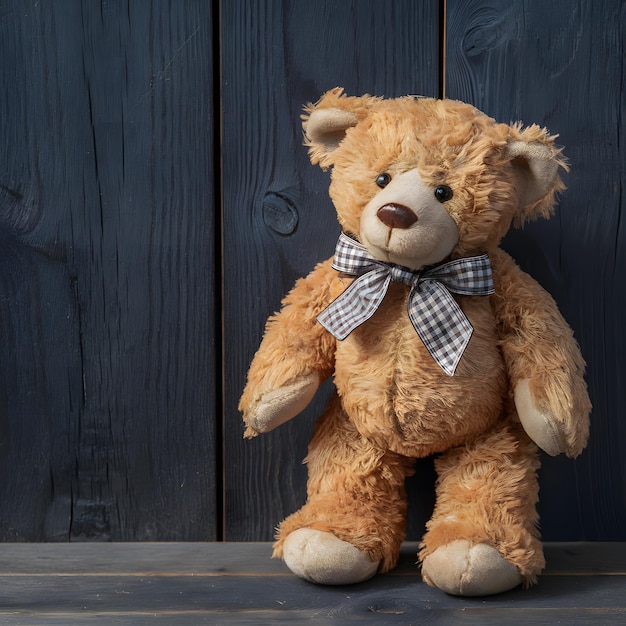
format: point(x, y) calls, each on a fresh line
point(434, 313)
point(402, 275)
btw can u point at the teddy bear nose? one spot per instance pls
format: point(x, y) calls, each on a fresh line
point(396, 216)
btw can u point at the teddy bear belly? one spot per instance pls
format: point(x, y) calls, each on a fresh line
point(397, 396)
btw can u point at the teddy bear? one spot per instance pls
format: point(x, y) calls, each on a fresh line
point(437, 342)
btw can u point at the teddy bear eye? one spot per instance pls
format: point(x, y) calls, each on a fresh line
point(443, 193)
point(382, 180)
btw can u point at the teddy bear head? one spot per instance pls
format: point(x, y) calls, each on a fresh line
point(418, 180)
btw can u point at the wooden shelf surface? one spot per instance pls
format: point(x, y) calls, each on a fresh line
point(238, 583)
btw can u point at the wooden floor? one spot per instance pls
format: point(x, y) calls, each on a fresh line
point(192, 583)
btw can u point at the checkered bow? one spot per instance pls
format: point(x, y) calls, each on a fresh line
point(434, 313)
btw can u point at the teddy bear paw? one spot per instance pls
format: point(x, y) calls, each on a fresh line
point(280, 405)
point(320, 557)
point(539, 425)
point(464, 569)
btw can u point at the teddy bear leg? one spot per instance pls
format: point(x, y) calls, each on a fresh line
point(354, 520)
point(482, 538)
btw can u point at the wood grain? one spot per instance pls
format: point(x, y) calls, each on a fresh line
point(276, 56)
point(561, 65)
point(107, 365)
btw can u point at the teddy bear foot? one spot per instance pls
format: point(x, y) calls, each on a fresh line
point(462, 569)
point(320, 557)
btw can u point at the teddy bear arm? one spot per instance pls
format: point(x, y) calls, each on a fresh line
point(543, 360)
point(295, 356)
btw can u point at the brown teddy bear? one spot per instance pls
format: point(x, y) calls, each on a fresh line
point(438, 344)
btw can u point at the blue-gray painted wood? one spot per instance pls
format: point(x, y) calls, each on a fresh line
point(524, 61)
point(277, 56)
point(111, 376)
point(107, 350)
point(561, 65)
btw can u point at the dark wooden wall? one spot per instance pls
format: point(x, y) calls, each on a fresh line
point(562, 64)
point(301, 49)
point(107, 279)
point(156, 203)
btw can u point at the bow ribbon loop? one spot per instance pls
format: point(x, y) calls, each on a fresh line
point(434, 313)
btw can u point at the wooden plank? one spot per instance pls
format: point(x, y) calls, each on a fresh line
point(248, 559)
point(235, 583)
point(278, 221)
point(106, 289)
point(441, 617)
point(540, 62)
point(385, 596)
point(585, 557)
point(140, 559)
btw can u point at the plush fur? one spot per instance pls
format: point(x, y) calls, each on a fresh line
point(519, 384)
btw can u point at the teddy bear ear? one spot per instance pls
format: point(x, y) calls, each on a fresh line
point(536, 165)
point(326, 122)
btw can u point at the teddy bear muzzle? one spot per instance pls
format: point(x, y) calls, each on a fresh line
point(396, 216)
